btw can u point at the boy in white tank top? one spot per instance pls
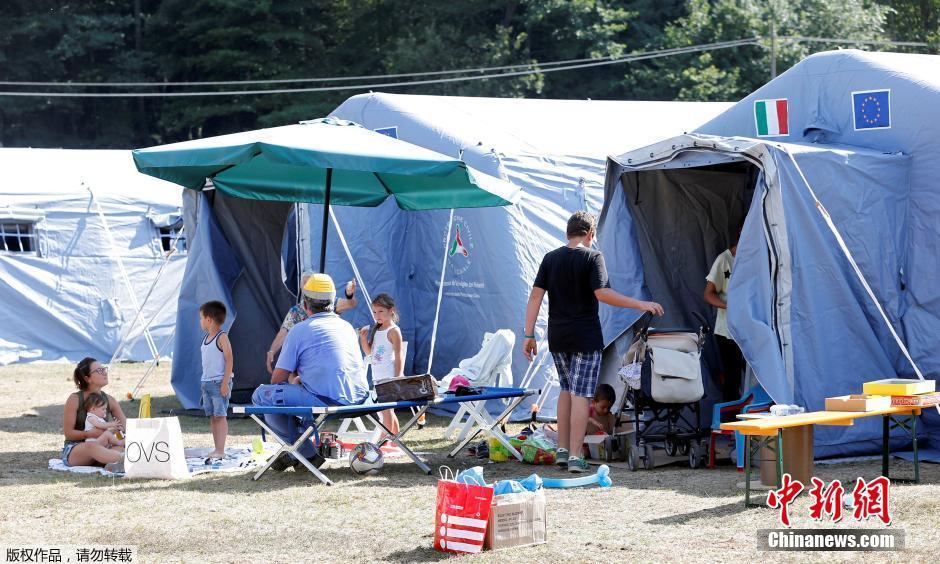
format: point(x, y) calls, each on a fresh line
point(385, 347)
point(216, 382)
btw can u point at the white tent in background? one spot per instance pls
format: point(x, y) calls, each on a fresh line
point(85, 261)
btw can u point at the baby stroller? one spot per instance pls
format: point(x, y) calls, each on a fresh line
point(663, 371)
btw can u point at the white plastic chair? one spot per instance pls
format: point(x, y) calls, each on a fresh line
point(491, 366)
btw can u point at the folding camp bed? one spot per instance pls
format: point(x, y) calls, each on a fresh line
point(370, 411)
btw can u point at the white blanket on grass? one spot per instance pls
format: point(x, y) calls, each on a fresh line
point(237, 459)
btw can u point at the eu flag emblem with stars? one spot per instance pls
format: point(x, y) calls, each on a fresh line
point(872, 109)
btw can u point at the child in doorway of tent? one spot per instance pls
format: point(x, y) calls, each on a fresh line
point(96, 408)
point(716, 294)
point(217, 374)
point(384, 344)
point(600, 419)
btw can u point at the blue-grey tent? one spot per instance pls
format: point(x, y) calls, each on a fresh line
point(832, 170)
point(554, 150)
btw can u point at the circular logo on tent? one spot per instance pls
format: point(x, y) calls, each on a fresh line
point(460, 246)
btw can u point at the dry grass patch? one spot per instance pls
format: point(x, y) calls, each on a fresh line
point(670, 514)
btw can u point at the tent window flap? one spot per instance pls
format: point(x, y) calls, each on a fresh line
point(172, 236)
point(169, 228)
point(17, 237)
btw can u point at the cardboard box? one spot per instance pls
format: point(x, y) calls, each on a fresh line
point(597, 447)
point(858, 402)
point(919, 400)
point(516, 520)
point(899, 387)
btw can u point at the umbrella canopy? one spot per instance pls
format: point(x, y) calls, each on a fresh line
point(328, 161)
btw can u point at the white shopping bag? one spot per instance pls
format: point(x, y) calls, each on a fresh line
point(153, 448)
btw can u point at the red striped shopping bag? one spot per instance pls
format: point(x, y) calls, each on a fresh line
point(463, 511)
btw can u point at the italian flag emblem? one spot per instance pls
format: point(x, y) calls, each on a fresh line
point(772, 117)
point(456, 246)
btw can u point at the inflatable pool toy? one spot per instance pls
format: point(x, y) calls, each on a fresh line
point(601, 478)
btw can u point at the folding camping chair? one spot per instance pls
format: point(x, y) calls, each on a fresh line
point(514, 396)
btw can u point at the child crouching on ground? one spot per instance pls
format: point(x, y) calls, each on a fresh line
point(600, 419)
point(216, 373)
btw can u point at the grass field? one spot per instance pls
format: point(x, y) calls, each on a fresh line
point(670, 514)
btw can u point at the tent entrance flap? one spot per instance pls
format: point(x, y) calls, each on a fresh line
point(684, 218)
point(254, 231)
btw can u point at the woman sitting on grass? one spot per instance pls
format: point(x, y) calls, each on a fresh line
point(90, 377)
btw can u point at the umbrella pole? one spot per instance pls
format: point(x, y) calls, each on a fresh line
point(326, 219)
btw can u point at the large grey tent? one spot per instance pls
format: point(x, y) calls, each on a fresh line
point(554, 150)
point(83, 237)
point(832, 167)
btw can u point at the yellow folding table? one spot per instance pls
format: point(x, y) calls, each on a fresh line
point(769, 432)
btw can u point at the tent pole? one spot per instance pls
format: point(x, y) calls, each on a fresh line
point(153, 364)
point(352, 261)
point(326, 219)
point(126, 339)
point(114, 254)
point(858, 271)
point(440, 289)
point(298, 260)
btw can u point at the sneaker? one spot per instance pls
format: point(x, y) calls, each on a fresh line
point(561, 458)
point(577, 465)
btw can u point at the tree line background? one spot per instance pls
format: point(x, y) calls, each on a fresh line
point(230, 40)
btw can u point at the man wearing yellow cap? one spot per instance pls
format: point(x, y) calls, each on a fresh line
point(320, 365)
point(297, 313)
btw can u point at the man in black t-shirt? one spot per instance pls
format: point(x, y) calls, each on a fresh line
point(575, 278)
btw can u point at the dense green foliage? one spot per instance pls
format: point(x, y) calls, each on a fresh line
point(234, 40)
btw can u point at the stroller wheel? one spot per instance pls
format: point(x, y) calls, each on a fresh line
point(648, 456)
point(695, 456)
point(670, 447)
point(683, 448)
point(631, 458)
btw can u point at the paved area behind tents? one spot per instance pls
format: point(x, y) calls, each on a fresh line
point(670, 514)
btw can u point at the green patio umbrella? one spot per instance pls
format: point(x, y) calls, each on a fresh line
point(328, 161)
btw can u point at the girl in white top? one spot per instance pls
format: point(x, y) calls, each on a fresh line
point(385, 347)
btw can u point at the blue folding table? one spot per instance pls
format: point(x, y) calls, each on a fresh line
point(515, 396)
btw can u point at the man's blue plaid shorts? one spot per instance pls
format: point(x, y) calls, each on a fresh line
point(578, 372)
